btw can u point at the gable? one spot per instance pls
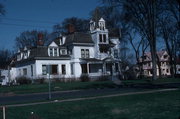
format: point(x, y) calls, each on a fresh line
point(53, 44)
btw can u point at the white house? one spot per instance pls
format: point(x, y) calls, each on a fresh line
point(94, 53)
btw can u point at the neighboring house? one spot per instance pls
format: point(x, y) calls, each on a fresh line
point(94, 53)
point(163, 61)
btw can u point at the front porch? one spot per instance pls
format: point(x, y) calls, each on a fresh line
point(96, 68)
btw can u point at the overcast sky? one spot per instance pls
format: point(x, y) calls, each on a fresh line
point(22, 15)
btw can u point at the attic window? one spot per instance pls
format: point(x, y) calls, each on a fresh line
point(165, 56)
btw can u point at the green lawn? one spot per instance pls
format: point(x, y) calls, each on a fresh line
point(60, 86)
point(162, 105)
point(148, 80)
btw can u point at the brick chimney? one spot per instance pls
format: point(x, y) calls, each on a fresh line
point(71, 28)
point(40, 40)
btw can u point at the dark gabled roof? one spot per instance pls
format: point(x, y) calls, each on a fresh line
point(57, 41)
point(39, 52)
point(79, 38)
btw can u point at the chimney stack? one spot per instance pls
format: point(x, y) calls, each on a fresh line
point(40, 40)
point(71, 28)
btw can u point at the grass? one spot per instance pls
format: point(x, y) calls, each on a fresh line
point(60, 86)
point(162, 105)
point(148, 80)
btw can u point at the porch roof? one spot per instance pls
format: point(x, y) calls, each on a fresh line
point(91, 60)
point(94, 60)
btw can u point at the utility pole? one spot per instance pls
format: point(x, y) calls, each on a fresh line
point(49, 71)
point(4, 112)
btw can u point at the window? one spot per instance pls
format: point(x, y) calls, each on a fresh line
point(19, 72)
point(84, 68)
point(165, 56)
point(167, 70)
point(31, 70)
point(24, 71)
point(63, 52)
point(82, 53)
point(55, 52)
point(63, 69)
point(72, 69)
point(149, 64)
point(51, 52)
point(100, 38)
point(54, 69)
point(18, 56)
point(104, 37)
point(115, 53)
point(44, 69)
point(61, 41)
point(25, 55)
point(117, 67)
point(87, 53)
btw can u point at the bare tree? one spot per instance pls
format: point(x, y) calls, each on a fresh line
point(80, 25)
point(169, 23)
point(29, 39)
point(142, 15)
point(5, 58)
point(2, 10)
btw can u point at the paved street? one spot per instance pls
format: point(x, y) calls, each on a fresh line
point(24, 98)
point(60, 95)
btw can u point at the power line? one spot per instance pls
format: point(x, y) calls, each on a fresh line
point(30, 20)
point(23, 25)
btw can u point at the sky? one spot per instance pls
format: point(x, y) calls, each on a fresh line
point(22, 15)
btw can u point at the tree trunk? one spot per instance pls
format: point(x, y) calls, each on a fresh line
point(154, 61)
point(153, 39)
point(159, 66)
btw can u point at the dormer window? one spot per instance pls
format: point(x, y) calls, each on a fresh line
point(25, 55)
point(51, 52)
point(19, 57)
point(55, 52)
point(63, 52)
point(61, 41)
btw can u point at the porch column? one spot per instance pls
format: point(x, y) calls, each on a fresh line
point(104, 68)
point(119, 68)
point(87, 68)
point(114, 68)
